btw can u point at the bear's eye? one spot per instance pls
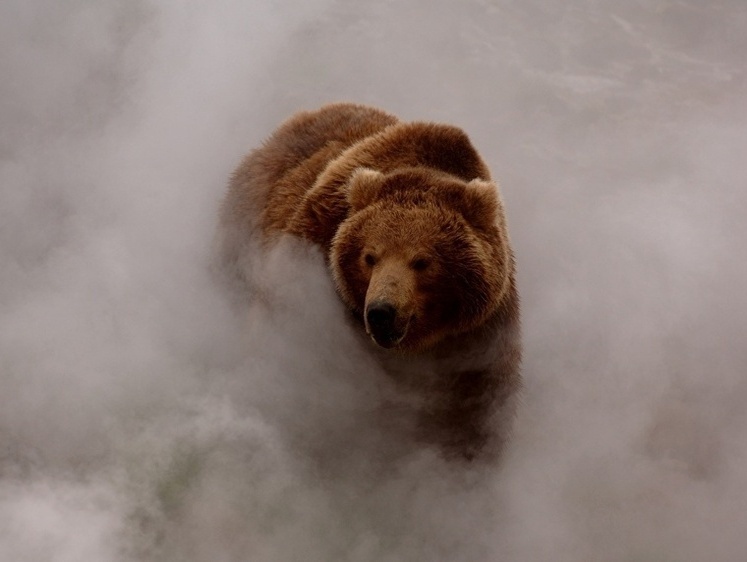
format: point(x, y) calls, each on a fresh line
point(370, 260)
point(421, 264)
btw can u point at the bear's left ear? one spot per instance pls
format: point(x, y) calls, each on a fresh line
point(480, 204)
point(364, 187)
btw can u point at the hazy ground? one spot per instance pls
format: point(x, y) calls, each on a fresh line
point(141, 420)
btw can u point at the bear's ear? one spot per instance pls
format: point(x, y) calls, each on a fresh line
point(480, 203)
point(364, 187)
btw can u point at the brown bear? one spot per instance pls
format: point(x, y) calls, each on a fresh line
point(415, 237)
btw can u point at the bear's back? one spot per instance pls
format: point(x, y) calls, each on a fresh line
point(273, 178)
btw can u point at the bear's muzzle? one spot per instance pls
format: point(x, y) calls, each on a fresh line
point(383, 324)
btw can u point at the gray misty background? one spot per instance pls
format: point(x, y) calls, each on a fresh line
point(141, 418)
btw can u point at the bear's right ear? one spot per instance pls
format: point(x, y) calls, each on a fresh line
point(364, 187)
point(479, 203)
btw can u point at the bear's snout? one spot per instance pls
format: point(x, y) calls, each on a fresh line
point(381, 315)
point(382, 325)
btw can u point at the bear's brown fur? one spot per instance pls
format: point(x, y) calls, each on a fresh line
point(415, 236)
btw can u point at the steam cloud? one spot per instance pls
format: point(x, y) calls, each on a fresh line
point(143, 417)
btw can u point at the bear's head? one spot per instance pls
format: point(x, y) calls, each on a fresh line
point(421, 256)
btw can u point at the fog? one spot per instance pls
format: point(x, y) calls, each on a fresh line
point(145, 416)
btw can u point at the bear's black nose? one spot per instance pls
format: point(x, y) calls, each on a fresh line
point(380, 317)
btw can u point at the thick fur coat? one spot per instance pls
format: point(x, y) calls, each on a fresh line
point(415, 237)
